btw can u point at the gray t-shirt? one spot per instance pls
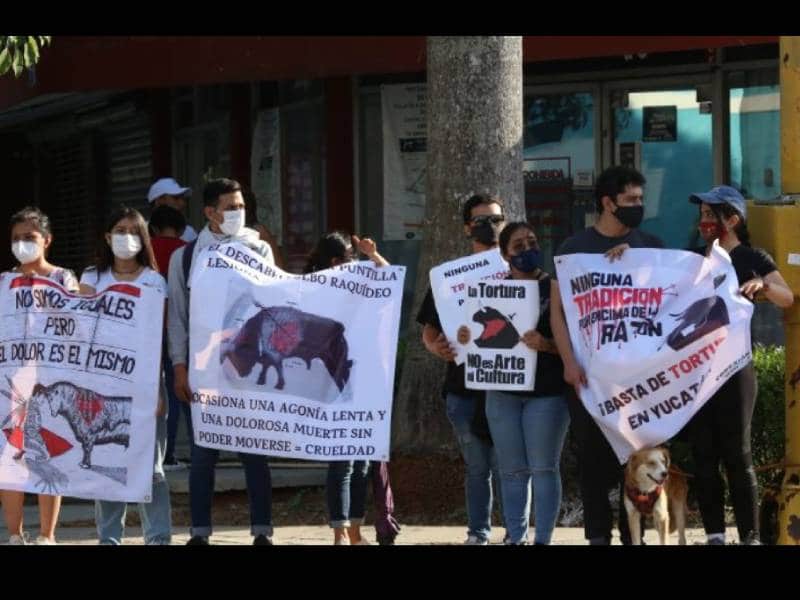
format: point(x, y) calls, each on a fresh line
point(591, 241)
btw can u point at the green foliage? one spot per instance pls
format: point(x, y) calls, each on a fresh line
point(20, 52)
point(768, 437)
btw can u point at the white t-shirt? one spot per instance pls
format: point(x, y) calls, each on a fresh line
point(64, 277)
point(148, 278)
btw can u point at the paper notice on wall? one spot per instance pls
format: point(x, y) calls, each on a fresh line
point(404, 160)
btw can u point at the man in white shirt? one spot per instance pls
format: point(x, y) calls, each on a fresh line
point(167, 191)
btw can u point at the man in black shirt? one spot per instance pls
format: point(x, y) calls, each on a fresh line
point(483, 220)
point(619, 196)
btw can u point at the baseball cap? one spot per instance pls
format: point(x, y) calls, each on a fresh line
point(722, 194)
point(167, 185)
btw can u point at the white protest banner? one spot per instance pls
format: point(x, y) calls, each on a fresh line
point(500, 313)
point(295, 366)
point(79, 389)
point(657, 332)
point(265, 170)
point(404, 155)
point(448, 284)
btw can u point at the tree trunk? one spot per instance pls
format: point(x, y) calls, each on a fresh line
point(474, 114)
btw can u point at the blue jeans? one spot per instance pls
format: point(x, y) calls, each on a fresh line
point(528, 434)
point(201, 490)
point(176, 407)
point(156, 515)
point(480, 463)
point(347, 492)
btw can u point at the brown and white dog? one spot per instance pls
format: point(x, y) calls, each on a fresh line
point(651, 488)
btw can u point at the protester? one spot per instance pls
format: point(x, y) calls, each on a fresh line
point(483, 221)
point(720, 431)
point(126, 255)
point(346, 487)
point(31, 238)
point(619, 198)
point(224, 209)
point(529, 428)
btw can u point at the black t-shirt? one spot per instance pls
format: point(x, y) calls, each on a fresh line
point(748, 262)
point(549, 368)
point(454, 380)
point(751, 263)
point(591, 241)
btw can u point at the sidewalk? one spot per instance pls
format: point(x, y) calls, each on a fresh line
point(315, 535)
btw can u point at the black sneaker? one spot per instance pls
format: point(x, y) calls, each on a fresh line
point(600, 541)
point(262, 540)
point(198, 540)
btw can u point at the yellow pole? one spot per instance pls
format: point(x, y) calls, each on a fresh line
point(789, 501)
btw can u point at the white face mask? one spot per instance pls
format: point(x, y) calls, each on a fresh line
point(26, 252)
point(125, 245)
point(233, 223)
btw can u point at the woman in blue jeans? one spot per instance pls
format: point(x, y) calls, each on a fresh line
point(529, 428)
point(347, 480)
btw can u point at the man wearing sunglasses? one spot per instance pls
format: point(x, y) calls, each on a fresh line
point(483, 221)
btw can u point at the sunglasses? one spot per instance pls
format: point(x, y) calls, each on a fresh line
point(493, 219)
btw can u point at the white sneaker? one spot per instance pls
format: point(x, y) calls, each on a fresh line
point(474, 540)
point(45, 541)
point(342, 542)
point(17, 540)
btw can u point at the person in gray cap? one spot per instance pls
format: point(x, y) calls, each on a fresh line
point(720, 431)
point(167, 192)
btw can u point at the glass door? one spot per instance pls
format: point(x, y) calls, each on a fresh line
point(560, 152)
point(664, 130)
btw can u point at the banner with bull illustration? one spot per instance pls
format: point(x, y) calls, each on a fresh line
point(295, 366)
point(78, 389)
point(498, 314)
point(657, 332)
point(449, 287)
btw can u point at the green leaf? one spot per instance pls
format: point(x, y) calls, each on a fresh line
point(30, 53)
point(5, 61)
point(17, 64)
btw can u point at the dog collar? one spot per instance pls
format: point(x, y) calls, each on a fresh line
point(644, 503)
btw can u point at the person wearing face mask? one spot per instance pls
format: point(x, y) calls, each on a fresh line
point(619, 200)
point(529, 428)
point(31, 238)
point(720, 431)
point(346, 487)
point(125, 254)
point(224, 209)
point(483, 221)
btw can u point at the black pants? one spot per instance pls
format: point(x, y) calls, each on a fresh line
point(598, 472)
point(720, 432)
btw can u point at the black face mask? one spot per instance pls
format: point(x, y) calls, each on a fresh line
point(630, 216)
point(486, 232)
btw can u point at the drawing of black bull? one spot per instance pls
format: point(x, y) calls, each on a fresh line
point(498, 331)
point(700, 318)
point(280, 332)
point(94, 419)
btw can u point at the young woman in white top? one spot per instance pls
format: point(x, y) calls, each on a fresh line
point(125, 255)
point(31, 237)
